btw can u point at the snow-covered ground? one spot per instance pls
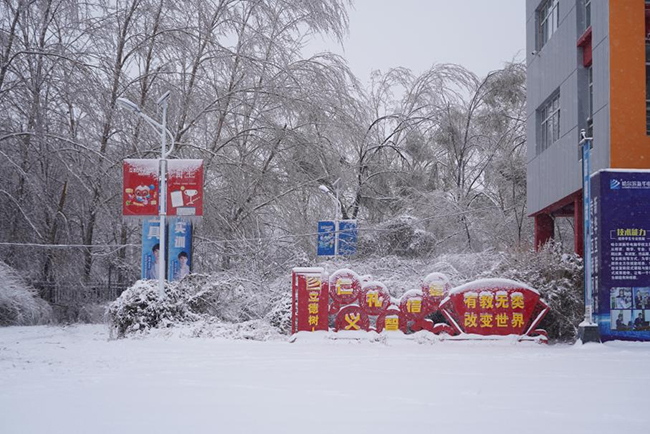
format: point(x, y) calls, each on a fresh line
point(76, 380)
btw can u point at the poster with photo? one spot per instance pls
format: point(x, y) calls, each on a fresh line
point(621, 298)
point(621, 320)
point(179, 248)
point(150, 249)
point(642, 298)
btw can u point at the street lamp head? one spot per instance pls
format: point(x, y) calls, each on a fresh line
point(128, 104)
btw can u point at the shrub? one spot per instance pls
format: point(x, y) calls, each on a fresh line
point(19, 303)
point(140, 308)
point(559, 278)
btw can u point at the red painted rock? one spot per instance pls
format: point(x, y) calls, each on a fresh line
point(412, 305)
point(352, 318)
point(391, 320)
point(435, 287)
point(494, 307)
point(344, 287)
point(374, 298)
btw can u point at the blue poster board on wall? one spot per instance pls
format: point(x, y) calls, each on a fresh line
point(620, 244)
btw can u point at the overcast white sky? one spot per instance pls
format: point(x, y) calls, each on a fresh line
point(479, 34)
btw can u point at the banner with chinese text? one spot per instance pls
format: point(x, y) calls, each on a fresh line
point(310, 300)
point(179, 248)
point(185, 188)
point(150, 248)
point(620, 243)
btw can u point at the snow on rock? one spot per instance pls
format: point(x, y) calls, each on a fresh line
point(491, 283)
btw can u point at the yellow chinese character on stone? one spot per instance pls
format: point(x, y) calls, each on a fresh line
point(502, 300)
point(344, 286)
point(502, 320)
point(517, 320)
point(314, 296)
point(392, 323)
point(486, 320)
point(471, 319)
point(517, 300)
point(372, 298)
point(485, 300)
point(436, 290)
point(470, 300)
point(313, 319)
point(352, 320)
point(313, 284)
point(313, 308)
point(414, 305)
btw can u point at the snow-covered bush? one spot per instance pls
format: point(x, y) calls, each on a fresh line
point(558, 276)
point(140, 308)
point(19, 303)
point(280, 314)
point(227, 297)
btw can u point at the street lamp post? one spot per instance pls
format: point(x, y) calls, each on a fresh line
point(335, 197)
point(162, 209)
point(588, 330)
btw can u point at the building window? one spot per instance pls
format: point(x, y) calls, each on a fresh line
point(549, 123)
point(590, 108)
point(548, 20)
point(587, 14)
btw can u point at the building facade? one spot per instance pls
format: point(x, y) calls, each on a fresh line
point(587, 64)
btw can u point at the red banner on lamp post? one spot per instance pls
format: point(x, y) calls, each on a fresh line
point(185, 188)
point(140, 188)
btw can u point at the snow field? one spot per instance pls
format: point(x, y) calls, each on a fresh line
point(76, 380)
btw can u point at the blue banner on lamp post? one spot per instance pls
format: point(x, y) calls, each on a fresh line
point(179, 248)
point(150, 248)
point(326, 238)
point(347, 237)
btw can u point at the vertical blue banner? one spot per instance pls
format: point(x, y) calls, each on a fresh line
point(621, 253)
point(150, 248)
point(179, 248)
point(325, 238)
point(347, 237)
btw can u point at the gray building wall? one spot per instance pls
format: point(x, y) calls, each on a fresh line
point(556, 172)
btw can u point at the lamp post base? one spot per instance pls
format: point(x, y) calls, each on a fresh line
point(588, 333)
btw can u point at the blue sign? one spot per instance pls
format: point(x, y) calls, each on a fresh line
point(621, 253)
point(326, 238)
point(347, 237)
point(150, 248)
point(179, 249)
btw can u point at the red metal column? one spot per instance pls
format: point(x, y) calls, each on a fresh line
point(578, 225)
point(544, 229)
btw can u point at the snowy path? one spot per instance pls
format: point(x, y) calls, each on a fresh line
point(73, 380)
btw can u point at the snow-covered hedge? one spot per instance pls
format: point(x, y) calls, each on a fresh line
point(225, 297)
point(19, 303)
